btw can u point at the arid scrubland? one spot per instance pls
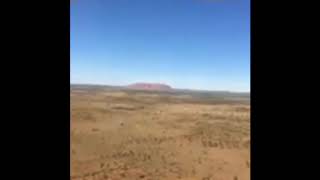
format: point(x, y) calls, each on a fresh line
point(126, 134)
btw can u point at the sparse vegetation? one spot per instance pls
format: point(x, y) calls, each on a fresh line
point(128, 134)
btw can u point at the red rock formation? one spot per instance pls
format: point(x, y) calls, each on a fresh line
point(150, 86)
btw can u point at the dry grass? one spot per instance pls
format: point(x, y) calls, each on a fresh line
point(119, 135)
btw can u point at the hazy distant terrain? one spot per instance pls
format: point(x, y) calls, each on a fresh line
point(150, 86)
point(196, 94)
point(120, 133)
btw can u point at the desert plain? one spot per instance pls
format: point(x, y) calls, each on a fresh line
point(123, 134)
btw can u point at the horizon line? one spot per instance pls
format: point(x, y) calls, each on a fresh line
point(192, 89)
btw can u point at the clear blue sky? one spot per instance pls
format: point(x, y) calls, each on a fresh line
point(194, 44)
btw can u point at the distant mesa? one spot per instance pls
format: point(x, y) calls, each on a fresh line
point(150, 86)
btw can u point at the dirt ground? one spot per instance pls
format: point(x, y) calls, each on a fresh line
point(118, 135)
